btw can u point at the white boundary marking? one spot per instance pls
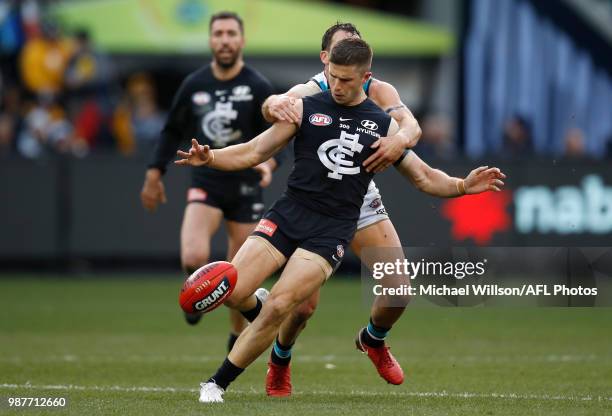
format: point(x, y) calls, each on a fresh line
point(432, 394)
point(461, 359)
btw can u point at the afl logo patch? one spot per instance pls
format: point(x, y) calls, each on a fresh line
point(340, 251)
point(319, 119)
point(369, 124)
point(201, 98)
point(376, 203)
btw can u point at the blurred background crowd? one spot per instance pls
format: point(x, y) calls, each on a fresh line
point(61, 94)
point(514, 82)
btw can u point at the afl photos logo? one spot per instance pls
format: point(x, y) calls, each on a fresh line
point(333, 154)
point(319, 119)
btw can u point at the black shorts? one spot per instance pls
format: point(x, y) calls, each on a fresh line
point(240, 201)
point(289, 225)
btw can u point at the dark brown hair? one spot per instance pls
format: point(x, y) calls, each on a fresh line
point(226, 15)
point(329, 33)
point(352, 51)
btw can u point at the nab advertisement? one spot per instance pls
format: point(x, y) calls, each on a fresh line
point(559, 205)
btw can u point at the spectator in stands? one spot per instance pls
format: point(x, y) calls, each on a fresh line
point(46, 130)
point(43, 61)
point(10, 120)
point(574, 144)
point(436, 141)
point(137, 122)
point(12, 37)
point(87, 80)
point(518, 140)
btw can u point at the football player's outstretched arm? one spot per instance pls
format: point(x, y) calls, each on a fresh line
point(243, 155)
point(282, 107)
point(437, 183)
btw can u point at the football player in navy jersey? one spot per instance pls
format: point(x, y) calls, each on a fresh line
point(219, 104)
point(374, 228)
point(310, 226)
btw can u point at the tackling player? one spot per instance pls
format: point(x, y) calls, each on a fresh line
point(219, 104)
point(309, 227)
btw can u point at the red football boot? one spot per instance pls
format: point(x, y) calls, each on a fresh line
point(386, 364)
point(278, 380)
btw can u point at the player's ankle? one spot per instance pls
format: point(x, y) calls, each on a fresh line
point(373, 336)
point(226, 374)
point(280, 354)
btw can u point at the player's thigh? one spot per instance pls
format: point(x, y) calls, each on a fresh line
point(255, 261)
point(381, 236)
point(237, 233)
point(200, 222)
point(301, 278)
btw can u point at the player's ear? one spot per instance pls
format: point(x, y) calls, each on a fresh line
point(324, 55)
point(367, 76)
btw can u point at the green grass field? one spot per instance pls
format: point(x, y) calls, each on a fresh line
point(120, 346)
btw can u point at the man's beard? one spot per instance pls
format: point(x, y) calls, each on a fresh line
point(228, 63)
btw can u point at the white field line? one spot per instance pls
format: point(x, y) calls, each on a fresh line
point(434, 394)
point(460, 359)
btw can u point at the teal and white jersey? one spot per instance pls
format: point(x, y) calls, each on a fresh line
point(321, 81)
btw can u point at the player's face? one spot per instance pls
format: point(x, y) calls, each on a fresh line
point(226, 42)
point(346, 82)
point(337, 37)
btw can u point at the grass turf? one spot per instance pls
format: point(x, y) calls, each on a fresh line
point(120, 346)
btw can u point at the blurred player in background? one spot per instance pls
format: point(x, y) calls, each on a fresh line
point(312, 223)
point(374, 228)
point(220, 105)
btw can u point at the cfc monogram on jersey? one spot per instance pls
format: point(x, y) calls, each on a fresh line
point(330, 148)
point(337, 155)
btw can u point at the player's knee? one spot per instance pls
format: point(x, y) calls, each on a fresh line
point(236, 299)
point(192, 260)
point(277, 308)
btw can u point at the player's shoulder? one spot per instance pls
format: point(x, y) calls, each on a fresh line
point(202, 73)
point(382, 91)
point(373, 109)
point(254, 76)
point(320, 80)
point(320, 97)
point(195, 81)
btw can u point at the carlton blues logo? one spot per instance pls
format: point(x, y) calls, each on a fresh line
point(334, 155)
point(216, 124)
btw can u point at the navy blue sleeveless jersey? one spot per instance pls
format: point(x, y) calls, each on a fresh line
point(332, 143)
point(217, 113)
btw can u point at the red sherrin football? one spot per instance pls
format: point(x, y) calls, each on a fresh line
point(208, 287)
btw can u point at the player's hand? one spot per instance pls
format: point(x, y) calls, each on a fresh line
point(283, 108)
point(153, 192)
point(265, 170)
point(484, 179)
point(198, 155)
point(388, 150)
